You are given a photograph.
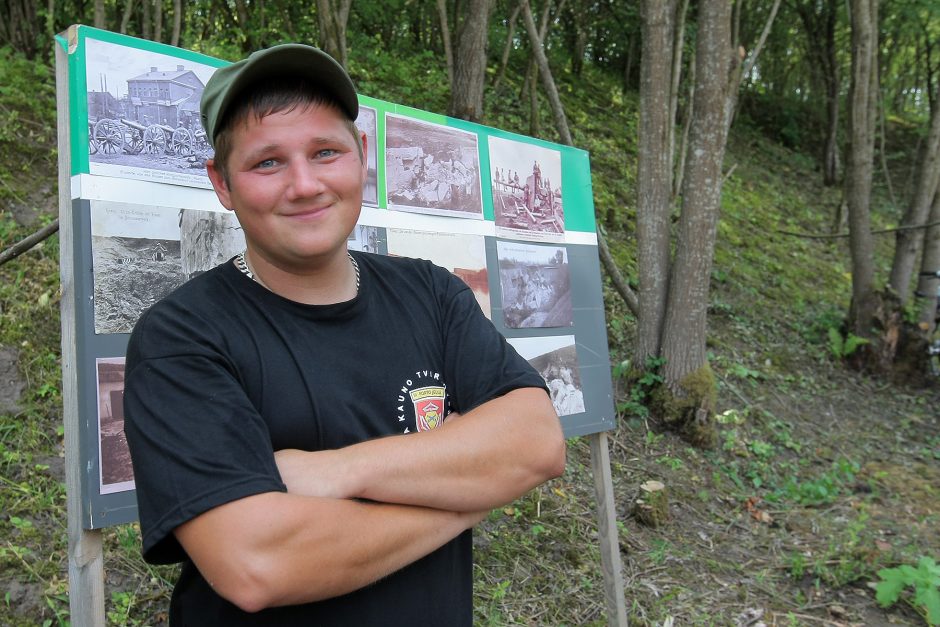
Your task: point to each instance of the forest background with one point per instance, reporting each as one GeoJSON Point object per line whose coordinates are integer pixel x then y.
{"type": "Point", "coordinates": [765, 180]}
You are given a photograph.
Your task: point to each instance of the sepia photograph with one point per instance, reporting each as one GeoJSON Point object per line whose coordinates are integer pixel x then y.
{"type": "Point", "coordinates": [535, 285]}
{"type": "Point", "coordinates": [136, 258]}
{"type": "Point", "coordinates": [464, 255]}
{"type": "Point", "coordinates": [208, 238]}
{"type": "Point", "coordinates": [366, 122]}
{"type": "Point", "coordinates": [367, 239]}
{"type": "Point", "coordinates": [143, 115]}
{"type": "Point", "coordinates": [114, 459]}
{"type": "Point", "coordinates": [556, 359]}
{"type": "Point", "coordinates": [527, 198]}
{"type": "Point", "coordinates": [431, 168]}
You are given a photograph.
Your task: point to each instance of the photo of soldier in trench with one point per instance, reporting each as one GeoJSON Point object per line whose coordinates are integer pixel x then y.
{"type": "Point", "coordinates": [527, 199]}
{"type": "Point", "coordinates": [432, 169]}
{"type": "Point", "coordinates": [136, 261]}
{"type": "Point", "coordinates": [535, 285]}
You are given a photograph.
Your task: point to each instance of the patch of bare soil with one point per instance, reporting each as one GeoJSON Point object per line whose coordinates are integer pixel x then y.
{"type": "Point", "coordinates": [11, 383]}
{"type": "Point", "coordinates": [817, 484]}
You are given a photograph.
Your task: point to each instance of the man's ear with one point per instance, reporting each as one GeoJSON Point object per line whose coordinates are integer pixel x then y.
{"type": "Point", "coordinates": [219, 184]}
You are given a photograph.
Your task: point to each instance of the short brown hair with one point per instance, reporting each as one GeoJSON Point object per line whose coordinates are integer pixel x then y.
{"type": "Point", "coordinates": [276, 95]}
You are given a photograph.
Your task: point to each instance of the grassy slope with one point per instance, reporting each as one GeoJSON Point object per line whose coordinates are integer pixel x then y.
{"type": "Point", "coordinates": [821, 476]}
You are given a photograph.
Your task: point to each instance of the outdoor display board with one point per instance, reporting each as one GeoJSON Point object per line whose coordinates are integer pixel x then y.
{"type": "Point", "coordinates": [511, 215]}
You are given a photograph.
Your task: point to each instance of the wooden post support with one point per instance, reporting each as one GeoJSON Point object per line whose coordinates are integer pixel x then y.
{"type": "Point", "coordinates": [86, 561]}
{"type": "Point", "coordinates": [607, 531]}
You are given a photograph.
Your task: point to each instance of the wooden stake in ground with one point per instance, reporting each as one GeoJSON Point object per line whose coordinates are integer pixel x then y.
{"type": "Point", "coordinates": [652, 508]}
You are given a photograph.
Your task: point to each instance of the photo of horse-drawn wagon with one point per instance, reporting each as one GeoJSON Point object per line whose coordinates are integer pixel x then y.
{"type": "Point", "coordinates": [113, 136]}
{"type": "Point", "coordinates": [143, 115]}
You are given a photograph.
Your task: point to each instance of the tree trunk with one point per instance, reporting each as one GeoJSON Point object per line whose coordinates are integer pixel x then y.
{"type": "Point", "coordinates": [908, 242]}
{"type": "Point", "coordinates": [690, 402]}
{"type": "Point", "coordinates": [654, 173]}
{"type": "Point", "coordinates": [859, 165]}
{"type": "Point", "coordinates": [126, 17]}
{"type": "Point", "coordinates": [445, 40]}
{"type": "Point", "coordinates": [504, 60]}
{"type": "Point", "coordinates": [819, 25]}
{"type": "Point", "coordinates": [100, 15]}
{"type": "Point", "coordinates": [548, 81]}
{"type": "Point", "coordinates": [686, 125]}
{"type": "Point", "coordinates": [466, 96]}
{"type": "Point", "coordinates": [628, 63]}
{"type": "Point", "coordinates": [332, 16]}
{"type": "Point", "coordinates": [742, 67]}
{"type": "Point", "coordinates": [145, 19]}
{"type": "Point", "coordinates": [158, 20]}
{"type": "Point", "coordinates": [930, 262]}
{"type": "Point", "coordinates": [833, 87]}
{"type": "Point", "coordinates": [533, 73]}
{"type": "Point", "coordinates": [533, 97]}
{"type": "Point", "coordinates": [177, 22]}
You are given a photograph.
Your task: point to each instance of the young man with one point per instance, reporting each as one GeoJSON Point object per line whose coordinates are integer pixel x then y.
{"type": "Point", "coordinates": [314, 432]}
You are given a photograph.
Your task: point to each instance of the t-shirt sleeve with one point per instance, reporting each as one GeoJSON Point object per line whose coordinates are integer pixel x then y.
{"type": "Point", "coordinates": [481, 365]}
{"type": "Point", "coordinates": [195, 439]}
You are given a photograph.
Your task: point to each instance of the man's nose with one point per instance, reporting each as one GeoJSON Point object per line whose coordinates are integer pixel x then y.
{"type": "Point", "coordinates": [305, 181]}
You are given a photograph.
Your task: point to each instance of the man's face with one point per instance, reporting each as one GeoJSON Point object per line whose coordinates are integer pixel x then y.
{"type": "Point", "coordinates": [295, 183]}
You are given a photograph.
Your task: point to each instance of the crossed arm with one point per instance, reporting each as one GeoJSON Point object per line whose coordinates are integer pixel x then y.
{"type": "Point", "coordinates": [316, 541]}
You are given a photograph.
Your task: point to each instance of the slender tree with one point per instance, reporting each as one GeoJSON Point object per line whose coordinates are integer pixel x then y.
{"type": "Point", "coordinates": [908, 242]}
{"type": "Point", "coordinates": [687, 401]}
{"type": "Point", "coordinates": [930, 262]}
{"type": "Point", "coordinates": [466, 96]}
{"type": "Point", "coordinates": [654, 172]}
{"type": "Point", "coordinates": [445, 39]}
{"type": "Point", "coordinates": [548, 81]}
{"type": "Point", "coordinates": [859, 164]}
{"type": "Point", "coordinates": [332, 16]}
{"type": "Point", "coordinates": [819, 21]}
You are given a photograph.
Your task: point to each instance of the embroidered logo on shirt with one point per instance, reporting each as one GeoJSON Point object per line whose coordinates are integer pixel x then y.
{"type": "Point", "coordinates": [428, 395]}
{"type": "Point", "coordinates": [429, 407]}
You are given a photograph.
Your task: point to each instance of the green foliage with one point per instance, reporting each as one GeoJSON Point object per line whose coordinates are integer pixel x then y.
{"type": "Point", "coordinates": [843, 347]}
{"type": "Point", "coordinates": [643, 383]}
{"type": "Point", "coordinates": [821, 490]}
{"type": "Point", "coordinates": [925, 580]}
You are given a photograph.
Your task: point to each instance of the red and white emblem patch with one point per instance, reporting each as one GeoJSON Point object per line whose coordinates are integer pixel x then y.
{"type": "Point", "coordinates": [429, 407]}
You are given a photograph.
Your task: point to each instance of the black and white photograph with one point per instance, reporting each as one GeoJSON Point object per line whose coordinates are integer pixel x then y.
{"type": "Point", "coordinates": [366, 122]}
{"type": "Point", "coordinates": [114, 459]}
{"type": "Point", "coordinates": [367, 239]}
{"type": "Point", "coordinates": [431, 168]}
{"type": "Point", "coordinates": [535, 285]}
{"type": "Point", "coordinates": [143, 115]}
{"type": "Point", "coordinates": [462, 254]}
{"type": "Point", "coordinates": [207, 239]}
{"type": "Point", "coordinates": [556, 359]}
{"type": "Point", "coordinates": [526, 182]}
{"type": "Point", "coordinates": [136, 257]}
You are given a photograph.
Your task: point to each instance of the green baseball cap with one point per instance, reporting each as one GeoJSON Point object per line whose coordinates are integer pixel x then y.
{"type": "Point", "coordinates": [289, 60]}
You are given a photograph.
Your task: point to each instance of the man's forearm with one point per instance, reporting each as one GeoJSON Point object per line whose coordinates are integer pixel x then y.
{"type": "Point", "coordinates": [486, 458]}
{"type": "Point", "coordinates": [281, 549]}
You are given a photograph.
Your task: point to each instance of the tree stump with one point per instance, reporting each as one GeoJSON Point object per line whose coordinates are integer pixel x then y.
{"type": "Point", "coordinates": [652, 508]}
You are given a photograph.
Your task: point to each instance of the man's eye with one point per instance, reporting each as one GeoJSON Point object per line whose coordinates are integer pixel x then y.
{"type": "Point", "coordinates": [326, 153]}
{"type": "Point", "coordinates": [267, 163]}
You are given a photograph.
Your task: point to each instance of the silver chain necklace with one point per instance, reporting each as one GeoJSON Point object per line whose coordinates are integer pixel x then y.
{"type": "Point", "coordinates": [242, 266]}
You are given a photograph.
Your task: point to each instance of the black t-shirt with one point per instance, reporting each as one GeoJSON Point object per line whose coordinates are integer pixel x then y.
{"type": "Point", "coordinates": [223, 372]}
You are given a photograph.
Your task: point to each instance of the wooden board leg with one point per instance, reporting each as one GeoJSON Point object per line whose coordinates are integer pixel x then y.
{"type": "Point", "coordinates": [607, 531]}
